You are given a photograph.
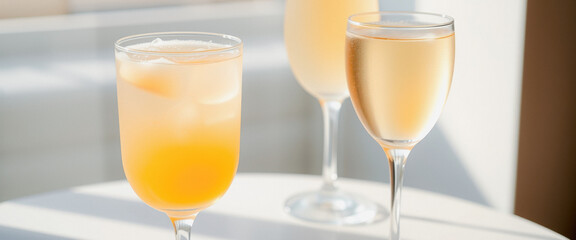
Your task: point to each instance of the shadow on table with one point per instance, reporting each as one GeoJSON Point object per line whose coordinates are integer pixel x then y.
{"type": "Point", "coordinates": [490, 229]}
{"type": "Point", "coordinates": [209, 223]}
{"type": "Point", "coordinates": [241, 228]}
{"type": "Point", "coordinates": [20, 234]}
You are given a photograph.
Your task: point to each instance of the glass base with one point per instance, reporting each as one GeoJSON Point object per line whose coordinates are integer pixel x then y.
{"type": "Point", "coordinates": [334, 207]}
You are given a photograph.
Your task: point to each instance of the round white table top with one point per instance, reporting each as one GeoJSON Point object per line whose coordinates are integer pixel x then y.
{"type": "Point", "coordinates": [252, 210]}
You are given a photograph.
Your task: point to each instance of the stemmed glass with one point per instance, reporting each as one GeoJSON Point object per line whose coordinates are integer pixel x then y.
{"type": "Point", "coordinates": [399, 68]}
{"type": "Point", "coordinates": [179, 100]}
{"type": "Point", "coordinates": [314, 33]}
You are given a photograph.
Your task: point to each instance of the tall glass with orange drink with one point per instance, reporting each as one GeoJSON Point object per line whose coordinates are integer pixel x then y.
{"type": "Point", "coordinates": [179, 98]}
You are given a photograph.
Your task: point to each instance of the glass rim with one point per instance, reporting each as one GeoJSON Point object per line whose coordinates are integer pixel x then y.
{"type": "Point", "coordinates": [238, 43]}
{"type": "Point", "coordinates": [450, 20]}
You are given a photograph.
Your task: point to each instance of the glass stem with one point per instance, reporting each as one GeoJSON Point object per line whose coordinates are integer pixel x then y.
{"type": "Point", "coordinates": [396, 161]}
{"type": "Point", "coordinates": [183, 226]}
{"type": "Point", "coordinates": [330, 112]}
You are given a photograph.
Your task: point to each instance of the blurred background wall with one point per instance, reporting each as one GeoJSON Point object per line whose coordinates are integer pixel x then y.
{"type": "Point", "coordinates": [58, 116]}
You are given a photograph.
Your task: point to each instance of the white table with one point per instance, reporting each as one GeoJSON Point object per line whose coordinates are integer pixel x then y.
{"type": "Point", "coordinates": [252, 210]}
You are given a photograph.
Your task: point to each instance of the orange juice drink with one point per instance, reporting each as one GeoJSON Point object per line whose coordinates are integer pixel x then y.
{"type": "Point", "coordinates": [179, 119]}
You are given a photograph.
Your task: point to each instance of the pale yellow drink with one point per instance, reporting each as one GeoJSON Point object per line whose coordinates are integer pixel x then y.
{"type": "Point", "coordinates": [179, 122]}
{"type": "Point", "coordinates": [398, 86]}
{"type": "Point", "coordinates": [314, 32]}
{"type": "Point", "coordinates": [399, 69]}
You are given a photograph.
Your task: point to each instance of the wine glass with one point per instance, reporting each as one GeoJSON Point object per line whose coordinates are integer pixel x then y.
{"type": "Point", "coordinates": [179, 97]}
{"type": "Point", "coordinates": [314, 33]}
{"type": "Point", "coordinates": [399, 67]}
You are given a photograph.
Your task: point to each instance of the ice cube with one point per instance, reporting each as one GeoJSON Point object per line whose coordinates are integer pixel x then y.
{"type": "Point", "coordinates": [161, 79]}
{"type": "Point", "coordinates": [186, 120]}
{"type": "Point", "coordinates": [215, 114]}
{"type": "Point", "coordinates": [217, 83]}
{"type": "Point", "coordinates": [156, 45]}
{"type": "Point", "coordinates": [219, 93]}
{"type": "Point", "coordinates": [161, 60]}
{"type": "Point", "coordinates": [156, 42]}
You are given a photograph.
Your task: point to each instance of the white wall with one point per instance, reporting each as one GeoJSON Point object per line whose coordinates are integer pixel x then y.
{"type": "Point", "coordinates": [482, 117]}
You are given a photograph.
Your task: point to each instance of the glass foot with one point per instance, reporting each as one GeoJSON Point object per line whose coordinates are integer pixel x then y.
{"type": "Point", "coordinates": [334, 207]}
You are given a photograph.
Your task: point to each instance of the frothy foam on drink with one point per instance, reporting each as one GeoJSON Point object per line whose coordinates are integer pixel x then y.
{"type": "Point", "coordinates": [176, 46]}
{"type": "Point", "coordinates": [180, 51]}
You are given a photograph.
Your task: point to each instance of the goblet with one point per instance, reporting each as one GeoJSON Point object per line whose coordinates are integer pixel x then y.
{"type": "Point", "coordinates": [399, 68]}
{"type": "Point", "coordinates": [314, 33]}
